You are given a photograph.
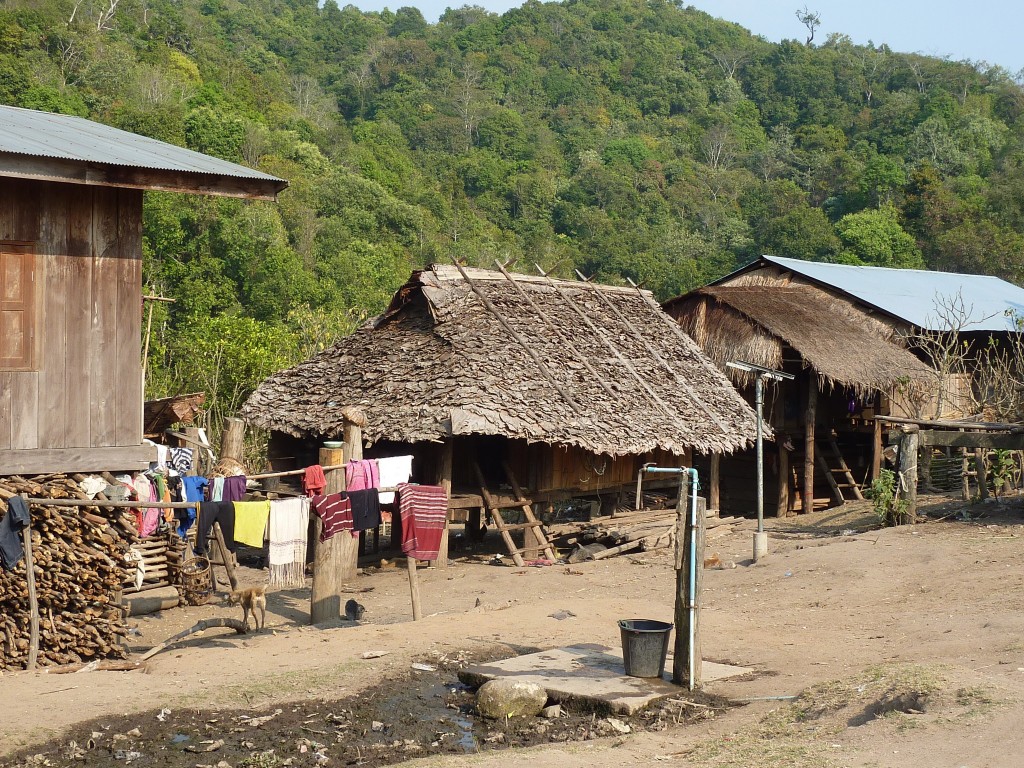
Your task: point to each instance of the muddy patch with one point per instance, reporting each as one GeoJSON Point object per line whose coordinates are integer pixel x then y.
{"type": "Point", "coordinates": [425, 712]}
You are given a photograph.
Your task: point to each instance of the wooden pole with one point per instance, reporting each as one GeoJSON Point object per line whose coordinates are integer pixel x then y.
{"type": "Point", "coordinates": [444, 479]}
{"type": "Point", "coordinates": [335, 560]}
{"type": "Point", "coordinates": [907, 487]}
{"type": "Point", "coordinates": [232, 439]}
{"type": "Point", "coordinates": [810, 414]}
{"type": "Point", "coordinates": [414, 589]}
{"type": "Point", "coordinates": [782, 507]}
{"type": "Point", "coordinates": [689, 555]}
{"type": "Point", "coordinates": [981, 470]}
{"type": "Point", "coordinates": [715, 490]}
{"type": "Point", "coordinates": [33, 602]}
{"type": "Point", "coordinates": [876, 451]}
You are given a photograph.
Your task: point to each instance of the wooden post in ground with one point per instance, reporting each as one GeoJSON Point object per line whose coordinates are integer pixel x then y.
{"type": "Point", "coordinates": [686, 661]}
{"type": "Point", "coordinates": [336, 560]}
{"type": "Point", "coordinates": [782, 508]}
{"type": "Point", "coordinates": [907, 480]}
{"type": "Point", "coordinates": [876, 451]}
{"type": "Point", "coordinates": [981, 473]}
{"type": "Point", "coordinates": [444, 479]}
{"type": "Point", "coordinates": [33, 602]}
{"type": "Point", "coordinates": [810, 414]}
{"type": "Point", "coordinates": [715, 484]}
{"type": "Point", "coordinates": [232, 439]}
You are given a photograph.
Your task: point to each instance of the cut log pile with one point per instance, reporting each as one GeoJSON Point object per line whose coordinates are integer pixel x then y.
{"type": "Point", "coordinates": [79, 566]}
{"type": "Point", "coordinates": [633, 532]}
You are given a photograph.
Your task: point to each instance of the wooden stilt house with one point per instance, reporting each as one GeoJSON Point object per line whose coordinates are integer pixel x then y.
{"type": "Point", "coordinates": [564, 386]}
{"type": "Point", "coordinates": [849, 366]}
{"type": "Point", "coordinates": [71, 284]}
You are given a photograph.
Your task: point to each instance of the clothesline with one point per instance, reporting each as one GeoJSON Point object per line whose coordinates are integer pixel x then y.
{"type": "Point", "coordinates": [292, 472]}
{"type": "Point", "coordinates": [129, 504]}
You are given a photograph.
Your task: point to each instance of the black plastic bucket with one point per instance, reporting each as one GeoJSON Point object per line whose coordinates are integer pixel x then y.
{"type": "Point", "coordinates": [644, 646]}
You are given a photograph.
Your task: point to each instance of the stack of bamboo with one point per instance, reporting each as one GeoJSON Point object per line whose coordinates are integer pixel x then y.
{"type": "Point", "coordinates": [79, 567]}
{"type": "Point", "coordinates": [162, 556]}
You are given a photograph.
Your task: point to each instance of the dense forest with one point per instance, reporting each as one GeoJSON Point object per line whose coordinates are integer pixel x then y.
{"type": "Point", "coordinates": [623, 138]}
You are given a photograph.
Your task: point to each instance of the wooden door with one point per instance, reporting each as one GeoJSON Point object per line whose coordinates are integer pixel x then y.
{"type": "Point", "coordinates": [17, 307]}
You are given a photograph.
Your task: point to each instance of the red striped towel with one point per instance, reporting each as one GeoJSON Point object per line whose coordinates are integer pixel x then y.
{"type": "Point", "coordinates": [424, 509]}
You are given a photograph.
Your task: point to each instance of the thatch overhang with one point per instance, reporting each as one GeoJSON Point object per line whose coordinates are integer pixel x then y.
{"type": "Point", "coordinates": [842, 344]}
{"type": "Point", "coordinates": [481, 352]}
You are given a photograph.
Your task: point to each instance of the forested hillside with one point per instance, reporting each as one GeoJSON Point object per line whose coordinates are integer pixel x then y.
{"type": "Point", "coordinates": [620, 137]}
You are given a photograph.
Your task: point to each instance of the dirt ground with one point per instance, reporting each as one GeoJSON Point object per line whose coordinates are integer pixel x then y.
{"type": "Point", "coordinates": [870, 647]}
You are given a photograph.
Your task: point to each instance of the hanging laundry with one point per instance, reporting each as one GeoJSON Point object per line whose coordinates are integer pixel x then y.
{"type": "Point", "coordinates": [161, 455]}
{"type": "Point", "coordinates": [11, 525]}
{"type": "Point", "coordinates": [424, 510]}
{"type": "Point", "coordinates": [183, 519]}
{"type": "Point", "coordinates": [146, 491]}
{"type": "Point", "coordinates": [210, 512]}
{"type": "Point", "coordinates": [234, 488]}
{"type": "Point", "coordinates": [361, 474]}
{"type": "Point", "coordinates": [335, 510]}
{"type": "Point", "coordinates": [182, 460]}
{"type": "Point", "coordinates": [365, 509]}
{"type": "Point", "coordinates": [392, 472]}
{"type": "Point", "coordinates": [194, 488]}
{"type": "Point", "coordinates": [289, 521]}
{"type": "Point", "coordinates": [251, 522]}
{"type": "Point", "coordinates": [217, 489]}
{"type": "Point", "coordinates": [313, 480]}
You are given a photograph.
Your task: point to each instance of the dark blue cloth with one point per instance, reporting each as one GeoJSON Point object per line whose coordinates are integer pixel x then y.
{"type": "Point", "coordinates": [11, 525]}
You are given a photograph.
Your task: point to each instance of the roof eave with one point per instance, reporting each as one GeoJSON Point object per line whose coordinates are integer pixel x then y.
{"type": "Point", "coordinates": [129, 177]}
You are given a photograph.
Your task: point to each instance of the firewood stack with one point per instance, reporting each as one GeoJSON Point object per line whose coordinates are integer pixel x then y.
{"type": "Point", "coordinates": [79, 565]}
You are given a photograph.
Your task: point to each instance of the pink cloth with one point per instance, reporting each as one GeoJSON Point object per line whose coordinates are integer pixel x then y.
{"type": "Point", "coordinates": [424, 510]}
{"type": "Point", "coordinates": [146, 491]}
{"type": "Point", "coordinates": [361, 475]}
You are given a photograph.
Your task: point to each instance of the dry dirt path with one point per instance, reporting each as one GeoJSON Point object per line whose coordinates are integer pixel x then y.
{"type": "Point", "coordinates": [925, 622]}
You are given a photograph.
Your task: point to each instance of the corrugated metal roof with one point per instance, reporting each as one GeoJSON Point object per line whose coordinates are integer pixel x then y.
{"type": "Point", "coordinates": [43, 134]}
{"type": "Point", "coordinates": [917, 295]}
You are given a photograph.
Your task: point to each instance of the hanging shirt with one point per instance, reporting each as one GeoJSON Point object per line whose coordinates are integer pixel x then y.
{"type": "Point", "coordinates": [234, 488]}
{"type": "Point", "coordinates": [424, 510]}
{"type": "Point", "coordinates": [194, 487]}
{"type": "Point", "coordinates": [365, 509]}
{"type": "Point", "coordinates": [335, 510]}
{"type": "Point", "coordinates": [17, 518]}
{"type": "Point", "coordinates": [361, 474]}
{"type": "Point", "coordinates": [313, 480]}
{"type": "Point", "coordinates": [251, 522]}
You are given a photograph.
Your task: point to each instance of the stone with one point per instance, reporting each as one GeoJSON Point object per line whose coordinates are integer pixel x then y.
{"type": "Point", "coordinates": [553, 712]}
{"type": "Point", "coordinates": [510, 698]}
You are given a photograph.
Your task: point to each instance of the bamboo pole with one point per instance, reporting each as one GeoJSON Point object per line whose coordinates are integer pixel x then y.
{"type": "Point", "coordinates": [444, 479]}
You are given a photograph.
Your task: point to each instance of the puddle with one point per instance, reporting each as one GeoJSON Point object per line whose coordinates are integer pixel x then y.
{"type": "Point", "coordinates": [424, 713]}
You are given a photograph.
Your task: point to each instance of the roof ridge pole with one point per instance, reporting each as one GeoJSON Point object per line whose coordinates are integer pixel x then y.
{"type": "Point", "coordinates": [657, 356]}
{"type": "Point", "coordinates": [515, 335]}
{"type": "Point", "coordinates": [611, 347]}
{"type": "Point", "coordinates": [562, 338]}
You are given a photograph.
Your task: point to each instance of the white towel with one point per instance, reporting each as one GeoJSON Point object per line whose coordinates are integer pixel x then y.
{"type": "Point", "coordinates": [289, 522]}
{"type": "Point", "coordinates": [393, 471]}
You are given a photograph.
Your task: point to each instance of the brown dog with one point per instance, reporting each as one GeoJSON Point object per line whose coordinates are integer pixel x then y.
{"type": "Point", "coordinates": [251, 599]}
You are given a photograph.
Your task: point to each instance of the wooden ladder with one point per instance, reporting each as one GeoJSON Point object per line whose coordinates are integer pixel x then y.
{"type": "Point", "coordinates": [531, 528]}
{"type": "Point", "coordinates": [843, 470]}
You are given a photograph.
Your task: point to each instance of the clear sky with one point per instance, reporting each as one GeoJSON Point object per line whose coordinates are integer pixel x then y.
{"type": "Point", "coordinates": [989, 30]}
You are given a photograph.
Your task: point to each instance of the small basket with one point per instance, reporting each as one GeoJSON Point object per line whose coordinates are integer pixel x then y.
{"type": "Point", "coordinates": [196, 588]}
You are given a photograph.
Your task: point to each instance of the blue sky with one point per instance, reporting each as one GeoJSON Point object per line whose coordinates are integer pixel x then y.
{"type": "Point", "coordinates": [988, 31]}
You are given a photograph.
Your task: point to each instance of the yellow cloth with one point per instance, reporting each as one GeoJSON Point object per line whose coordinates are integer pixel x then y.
{"type": "Point", "coordinates": [251, 521]}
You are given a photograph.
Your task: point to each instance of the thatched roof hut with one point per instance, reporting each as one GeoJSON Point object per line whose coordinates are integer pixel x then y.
{"type": "Point", "coordinates": [845, 346]}
{"type": "Point", "coordinates": [478, 352]}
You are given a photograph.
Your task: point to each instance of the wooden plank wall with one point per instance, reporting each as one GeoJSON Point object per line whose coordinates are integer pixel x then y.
{"type": "Point", "coordinates": [86, 391]}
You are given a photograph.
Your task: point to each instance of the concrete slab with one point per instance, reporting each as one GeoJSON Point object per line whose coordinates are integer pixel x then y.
{"type": "Point", "coordinates": [589, 673]}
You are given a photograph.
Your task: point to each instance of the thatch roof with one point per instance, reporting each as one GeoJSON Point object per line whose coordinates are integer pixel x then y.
{"type": "Point", "coordinates": [841, 343]}
{"type": "Point", "coordinates": [560, 362]}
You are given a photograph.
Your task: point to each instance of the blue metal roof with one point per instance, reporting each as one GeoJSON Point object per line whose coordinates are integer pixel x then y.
{"type": "Point", "coordinates": [917, 296]}
{"type": "Point", "coordinates": [43, 134]}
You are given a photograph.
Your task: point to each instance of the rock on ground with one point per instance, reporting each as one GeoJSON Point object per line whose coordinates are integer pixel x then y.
{"type": "Point", "coordinates": [510, 698]}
